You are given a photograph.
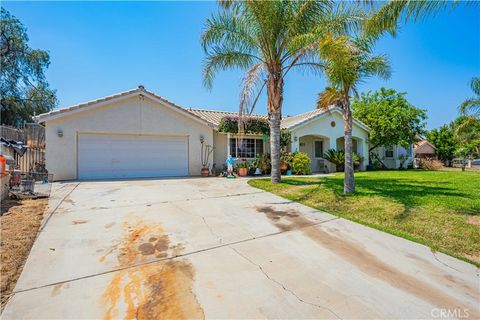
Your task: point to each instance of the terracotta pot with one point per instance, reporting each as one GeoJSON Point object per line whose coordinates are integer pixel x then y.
{"type": "Point", "coordinates": [205, 172]}
{"type": "Point", "coordinates": [242, 172]}
{"type": "Point", "coordinates": [283, 165]}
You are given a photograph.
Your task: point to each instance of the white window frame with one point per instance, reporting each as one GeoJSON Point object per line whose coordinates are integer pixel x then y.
{"type": "Point", "coordinates": [255, 138]}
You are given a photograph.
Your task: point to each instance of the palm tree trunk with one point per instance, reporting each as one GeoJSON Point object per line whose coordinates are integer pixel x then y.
{"type": "Point", "coordinates": [349, 180]}
{"type": "Point", "coordinates": [274, 119]}
{"type": "Point", "coordinates": [275, 101]}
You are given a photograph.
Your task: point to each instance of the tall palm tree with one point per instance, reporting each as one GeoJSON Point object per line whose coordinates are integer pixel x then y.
{"type": "Point", "coordinates": [268, 39]}
{"type": "Point", "coordinates": [347, 63]}
{"type": "Point", "coordinates": [472, 105]}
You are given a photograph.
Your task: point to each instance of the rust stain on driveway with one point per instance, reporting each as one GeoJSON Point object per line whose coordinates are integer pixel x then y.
{"type": "Point", "coordinates": [362, 259]}
{"type": "Point", "coordinates": [161, 290]}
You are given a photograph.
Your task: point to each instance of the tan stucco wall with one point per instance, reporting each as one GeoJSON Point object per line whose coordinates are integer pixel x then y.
{"type": "Point", "coordinates": [135, 115]}
{"type": "Point", "coordinates": [220, 152]}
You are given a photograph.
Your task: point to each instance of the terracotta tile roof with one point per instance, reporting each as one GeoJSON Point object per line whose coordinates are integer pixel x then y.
{"type": "Point", "coordinates": [214, 116]}
{"type": "Point", "coordinates": [420, 144]}
{"type": "Point", "coordinates": [291, 121]}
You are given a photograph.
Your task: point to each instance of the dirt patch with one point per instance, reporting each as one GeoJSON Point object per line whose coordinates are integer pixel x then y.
{"type": "Point", "coordinates": [160, 290]}
{"type": "Point", "coordinates": [363, 260]}
{"type": "Point", "coordinates": [19, 226]}
{"type": "Point", "coordinates": [475, 220]}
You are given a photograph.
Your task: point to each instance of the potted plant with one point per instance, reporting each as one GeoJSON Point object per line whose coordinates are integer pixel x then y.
{"type": "Point", "coordinates": [286, 159]}
{"type": "Point", "coordinates": [264, 162]}
{"type": "Point", "coordinates": [242, 168]}
{"type": "Point", "coordinates": [357, 161]}
{"type": "Point", "coordinates": [205, 153]}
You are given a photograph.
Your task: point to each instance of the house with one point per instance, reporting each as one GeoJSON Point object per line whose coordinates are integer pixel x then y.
{"type": "Point", "coordinates": [393, 157]}
{"type": "Point", "coordinates": [138, 133]}
{"type": "Point", "coordinates": [424, 149]}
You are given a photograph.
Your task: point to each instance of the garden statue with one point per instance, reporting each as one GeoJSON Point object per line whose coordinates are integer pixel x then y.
{"type": "Point", "coordinates": [230, 166]}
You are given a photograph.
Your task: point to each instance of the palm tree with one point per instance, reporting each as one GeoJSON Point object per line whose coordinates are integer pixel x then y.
{"type": "Point", "coordinates": [347, 63]}
{"type": "Point", "coordinates": [268, 39]}
{"type": "Point", "coordinates": [472, 105]}
{"type": "Point", "coordinates": [388, 14]}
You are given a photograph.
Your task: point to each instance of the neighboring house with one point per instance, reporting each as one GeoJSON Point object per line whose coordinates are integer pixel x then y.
{"type": "Point", "coordinates": [393, 157]}
{"type": "Point", "coordinates": [137, 133]}
{"type": "Point", "coordinates": [424, 149]}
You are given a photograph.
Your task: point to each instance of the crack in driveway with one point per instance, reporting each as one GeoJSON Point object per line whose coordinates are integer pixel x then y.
{"type": "Point", "coordinates": [283, 286]}
{"type": "Point", "coordinates": [134, 265]}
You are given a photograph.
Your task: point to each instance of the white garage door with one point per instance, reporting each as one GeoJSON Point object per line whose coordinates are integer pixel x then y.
{"type": "Point", "coordinates": [104, 156]}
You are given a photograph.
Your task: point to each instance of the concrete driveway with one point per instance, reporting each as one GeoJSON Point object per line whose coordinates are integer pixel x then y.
{"type": "Point", "coordinates": [218, 248]}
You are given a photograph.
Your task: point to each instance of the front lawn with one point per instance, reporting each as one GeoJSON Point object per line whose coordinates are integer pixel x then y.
{"type": "Point", "coordinates": [437, 208]}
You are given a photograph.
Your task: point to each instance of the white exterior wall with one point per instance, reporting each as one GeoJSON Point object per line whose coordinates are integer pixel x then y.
{"type": "Point", "coordinates": [321, 127]}
{"type": "Point", "coordinates": [394, 162]}
{"type": "Point", "coordinates": [136, 115]}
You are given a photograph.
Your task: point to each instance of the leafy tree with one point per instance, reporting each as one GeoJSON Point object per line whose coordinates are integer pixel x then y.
{"type": "Point", "coordinates": [467, 133]}
{"type": "Point", "coordinates": [24, 90]}
{"type": "Point", "coordinates": [444, 141]}
{"type": "Point", "coordinates": [391, 118]}
{"type": "Point", "coordinates": [348, 62]}
{"type": "Point", "coordinates": [268, 39]}
{"type": "Point", "coordinates": [472, 105]}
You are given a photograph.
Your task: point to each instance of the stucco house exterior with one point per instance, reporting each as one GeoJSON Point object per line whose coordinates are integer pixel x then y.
{"type": "Point", "coordinates": [138, 133]}
{"type": "Point", "coordinates": [393, 157]}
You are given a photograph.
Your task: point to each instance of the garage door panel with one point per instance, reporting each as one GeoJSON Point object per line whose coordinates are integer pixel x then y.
{"type": "Point", "coordinates": [102, 156]}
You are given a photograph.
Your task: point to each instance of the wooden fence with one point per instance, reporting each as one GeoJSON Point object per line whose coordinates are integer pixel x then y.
{"type": "Point", "coordinates": [33, 136]}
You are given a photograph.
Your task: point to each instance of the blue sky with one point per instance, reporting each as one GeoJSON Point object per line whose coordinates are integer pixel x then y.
{"type": "Point", "coordinates": [100, 48]}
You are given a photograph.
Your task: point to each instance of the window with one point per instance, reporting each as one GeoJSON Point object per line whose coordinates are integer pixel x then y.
{"type": "Point", "coordinates": [388, 152]}
{"type": "Point", "coordinates": [318, 149]}
{"type": "Point", "coordinates": [245, 148]}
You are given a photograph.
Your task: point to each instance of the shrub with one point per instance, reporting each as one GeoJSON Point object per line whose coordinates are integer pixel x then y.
{"type": "Point", "coordinates": [430, 164]}
{"type": "Point", "coordinates": [285, 138]}
{"type": "Point", "coordinates": [301, 163]}
{"type": "Point", "coordinates": [336, 157]}
{"type": "Point", "coordinates": [287, 157]}
{"type": "Point", "coordinates": [242, 164]}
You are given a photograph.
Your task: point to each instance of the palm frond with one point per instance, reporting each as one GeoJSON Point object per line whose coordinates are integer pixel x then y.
{"type": "Point", "coordinates": [221, 58]}
{"type": "Point", "coordinates": [376, 66]}
{"type": "Point", "coordinates": [329, 97]}
{"type": "Point", "coordinates": [475, 85]}
{"type": "Point", "coordinates": [252, 81]}
{"type": "Point", "coordinates": [228, 30]}
{"type": "Point", "coordinates": [387, 18]}
{"type": "Point", "coordinates": [470, 106]}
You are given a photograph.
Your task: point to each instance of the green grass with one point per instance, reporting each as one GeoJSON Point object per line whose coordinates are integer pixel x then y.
{"type": "Point", "coordinates": [435, 208]}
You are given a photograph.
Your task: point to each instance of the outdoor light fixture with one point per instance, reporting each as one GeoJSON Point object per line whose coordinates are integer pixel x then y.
{"type": "Point", "coordinates": [295, 138]}
{"type": "Point", "coordinates": [60, 133]}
